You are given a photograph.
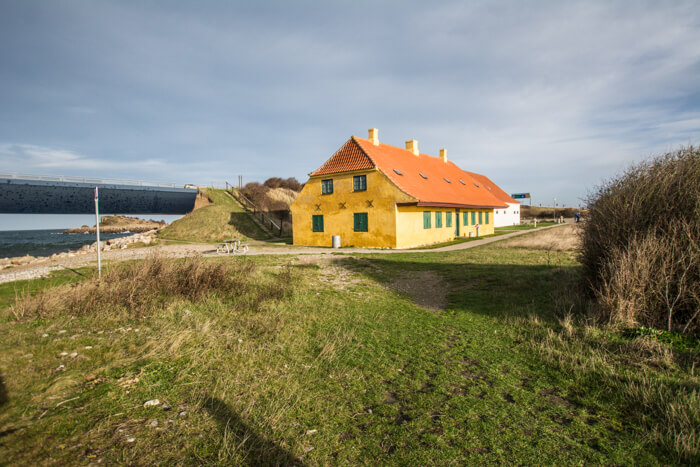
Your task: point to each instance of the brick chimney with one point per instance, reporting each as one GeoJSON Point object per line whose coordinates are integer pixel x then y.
{"type": "Point", "coordinates": [443, 155]}
{"type": "Point", "coordinates": [412, 145]}
{"type": "Point", "coordinates": [374, 136]}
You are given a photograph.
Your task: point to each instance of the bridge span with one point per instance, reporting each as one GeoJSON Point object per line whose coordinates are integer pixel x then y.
{"type": "Point", "coordinates": [26, 194]}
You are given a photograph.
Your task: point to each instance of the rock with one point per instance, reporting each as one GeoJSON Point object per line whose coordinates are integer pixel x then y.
{"type": "Point", "coordinates": [88, 347]}
{"type": "Point", "coordinates": [154, 423]}
{"type": "Point", "coordinates": [151, 403]}
{"type": "Point", "coordinates": [130, 440]}
{"type": "Point", "coordinates": [311, 432]}
{"type": "Point", "coordinates": [63, 354]}
{"type": "Point", "coordinates": [44, 335]}
{"type": "Point", "coordinates": [62, 331]}
{"type": "Point", "coordinates": [182, 414]}
{"type": "Point", "coordinates": [165, 406]}
{"type": "Point", "coordinates": [73, 355]}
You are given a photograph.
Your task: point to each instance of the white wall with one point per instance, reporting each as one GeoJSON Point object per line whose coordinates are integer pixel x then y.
{"type": "Point", "coordinates": [510, 216]}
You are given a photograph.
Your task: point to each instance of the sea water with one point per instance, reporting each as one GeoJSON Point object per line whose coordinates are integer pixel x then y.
{"type": "Point", "coordinates": [46, 242]}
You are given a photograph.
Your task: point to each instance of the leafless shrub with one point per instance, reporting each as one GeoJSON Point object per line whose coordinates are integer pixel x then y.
{"type": "Point", "coordinates": [640, 244]}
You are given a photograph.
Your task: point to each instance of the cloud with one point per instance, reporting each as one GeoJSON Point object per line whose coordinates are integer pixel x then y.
{"type": "Point", "coordinates": [28, 158]}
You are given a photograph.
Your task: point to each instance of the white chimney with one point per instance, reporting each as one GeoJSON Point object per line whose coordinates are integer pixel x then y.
{"type": "Point", "coordinates": [412, 145]}
{"type": "Point", "coordinates": [443, 155]}
{"type": "Point", "coordinates": [374, 136]}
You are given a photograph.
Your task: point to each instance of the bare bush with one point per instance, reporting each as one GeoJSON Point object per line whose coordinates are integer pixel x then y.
{"type": "Point", "coordinates": [640, 243]}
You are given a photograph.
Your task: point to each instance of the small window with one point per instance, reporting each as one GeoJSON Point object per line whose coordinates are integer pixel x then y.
{"type": "Point", "coordinates": [447, 180]}
{"type": "Point", "coordinates": [397, 172]}
{"type": "Point", "coordinates": [424, 176]}
{"type": "Point", "coordinates": [360, 219]}
{"type": "Point", "coordinates": [438, 220]}
{"type": "Point", "coordinates": [473, 218]}
{"type": "Point", "coordinates": [481, 219]}
{"type": "Point", "coordinates": [466, 218]}
{"type": "Point", "coordinates": [426, 219]}
{"type": "Point", "coordinates": [317, 222]}
{"type": "Point", "coordinates": [359, 183]}
{"type": "Point", "coordinates": [462, 181]}
{"type": "Point", "coordinates": [476, 185]}
{"type": "Point", "coordinates": [326, 187]}
{"type": "Point", "coordinates": [448, 219]}
{"type": "Point", "coordinates": [487, 218]}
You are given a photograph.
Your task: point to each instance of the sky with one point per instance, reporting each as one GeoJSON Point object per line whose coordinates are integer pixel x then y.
{"type": "Point", "coordinates": [546, 97]}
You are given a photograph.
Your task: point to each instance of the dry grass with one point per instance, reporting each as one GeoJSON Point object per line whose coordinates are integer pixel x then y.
{"type": "Point", "coordinates": [564, 238]}
{"type": "Point", "coordinates": [138, 289]}
{"type": "Point", "coordinates": [281, 196]}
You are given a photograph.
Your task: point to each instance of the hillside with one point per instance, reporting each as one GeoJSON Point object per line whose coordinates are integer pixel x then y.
{"type": "Point", "coordinates": [219, 221]}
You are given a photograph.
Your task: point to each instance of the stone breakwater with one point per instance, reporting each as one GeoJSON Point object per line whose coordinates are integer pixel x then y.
{"type": "Point", "coordinates": [145, 238]}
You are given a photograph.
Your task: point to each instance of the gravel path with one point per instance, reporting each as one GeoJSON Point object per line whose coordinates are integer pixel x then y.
{"type": "Point", "coordinates": [43, 268]}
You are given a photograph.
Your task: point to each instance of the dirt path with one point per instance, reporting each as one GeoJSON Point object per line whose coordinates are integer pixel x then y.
{"type": "Point", "coordinates": [43, 268]}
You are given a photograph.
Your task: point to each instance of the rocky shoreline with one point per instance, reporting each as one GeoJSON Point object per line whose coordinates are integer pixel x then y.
{"type": "Point", "coordinates": [144, 238]}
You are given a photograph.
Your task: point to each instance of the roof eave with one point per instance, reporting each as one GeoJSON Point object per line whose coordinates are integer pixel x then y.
{"type": "Point", "coordinates": [437, 204]}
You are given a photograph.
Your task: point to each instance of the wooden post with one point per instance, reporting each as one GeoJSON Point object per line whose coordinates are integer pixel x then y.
{"type": "Point", "coordinates": [97, 230]}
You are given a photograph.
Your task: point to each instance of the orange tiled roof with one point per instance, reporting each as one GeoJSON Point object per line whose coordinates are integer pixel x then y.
{"type": "Point", "coordinates": [422, 177]}
{"type": "Point", "coordinates": [348, 157]}
{"type": "Point", "coordinates": [495, 189]}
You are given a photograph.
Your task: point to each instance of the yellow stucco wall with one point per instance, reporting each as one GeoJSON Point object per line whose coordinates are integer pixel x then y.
{"type": "Point", "coordinates": [484, 228]}
{"type": "Point", "coordinates": [411, 231]}
{"type": "Point", "coordinates": [337, 220]}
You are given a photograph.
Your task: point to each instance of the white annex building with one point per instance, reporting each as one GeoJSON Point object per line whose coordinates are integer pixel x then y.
{"type": "Point", "coordinates": [501, 217]}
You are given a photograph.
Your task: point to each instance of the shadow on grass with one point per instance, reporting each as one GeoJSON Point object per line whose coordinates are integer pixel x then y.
{"type": "Point", "coordinates": [243, 222]}
{"type": "Point", "coordinates": [502, 290]}
{"type": "Point", "coordinates": [255, 449]}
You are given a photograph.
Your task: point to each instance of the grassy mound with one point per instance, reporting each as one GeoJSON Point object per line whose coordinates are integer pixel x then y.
{"type": "Point", "coordinates": [220, 221]}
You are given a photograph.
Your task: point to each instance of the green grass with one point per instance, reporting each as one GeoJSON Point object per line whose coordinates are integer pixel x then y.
{"type": "Point", "coordinates": [347, 370]}
{"type": "Point", "coordinates": [457, 241]}
{"type": "Point", "coordinates": [214, 223]}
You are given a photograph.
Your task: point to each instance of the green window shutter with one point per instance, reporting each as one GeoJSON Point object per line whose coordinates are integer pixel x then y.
{"type": "Point", "coordinates": [481, 217]}
{"type": "Point", "coordinates": [317, 222]}
{"type": "Point", "coordinates": [438, 220]}
{"type": "Point", "coordinates": [465, 215]}
{"type": "Point", "coordinates": [448, 219]}
{"type": "Point", "coordinates": [361, 222]}
{"type": "Point", "coordinates": [473, 218]}
{"type": "Point", "coordinates": [359, 182]}
{"type": "Point", "coordinates": [487, 217]}
{"type": "Point", "coordinates": [426, 219]}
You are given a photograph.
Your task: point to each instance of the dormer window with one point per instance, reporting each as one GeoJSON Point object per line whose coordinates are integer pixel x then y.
{"type": "Point", "coordinates": [424, 176]}
{"type": "Point", "coordinates": [462, 181]}
{"type": "Point", "coordinates": [447, 180]}
{"type": "Point", "coordinates": [476, 185]}
{"type": "Point", "coordinates": [397, 172]}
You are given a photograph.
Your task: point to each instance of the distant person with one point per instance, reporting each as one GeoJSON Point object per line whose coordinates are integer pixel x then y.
{"type": "Point", "coordinates": [577, 217]}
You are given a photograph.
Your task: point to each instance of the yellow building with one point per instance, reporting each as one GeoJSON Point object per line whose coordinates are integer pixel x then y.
{"type": "Point", "coordinates": [376, 195]}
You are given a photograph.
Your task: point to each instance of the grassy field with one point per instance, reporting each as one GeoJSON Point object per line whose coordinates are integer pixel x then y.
{"type": "Point", "coordinates": [214, 223]}
{"type": "Point", "coordinates": [465, 357]}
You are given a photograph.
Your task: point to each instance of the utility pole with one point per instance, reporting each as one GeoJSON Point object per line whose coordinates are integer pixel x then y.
{"type": "Point", "coordinates": [555, 209]}
{"type": "Point", "coordinates": [97, 229]}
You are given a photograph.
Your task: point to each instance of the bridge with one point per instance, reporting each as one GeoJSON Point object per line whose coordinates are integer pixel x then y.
{"type": "Point", "coordinates": [29, 194]}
